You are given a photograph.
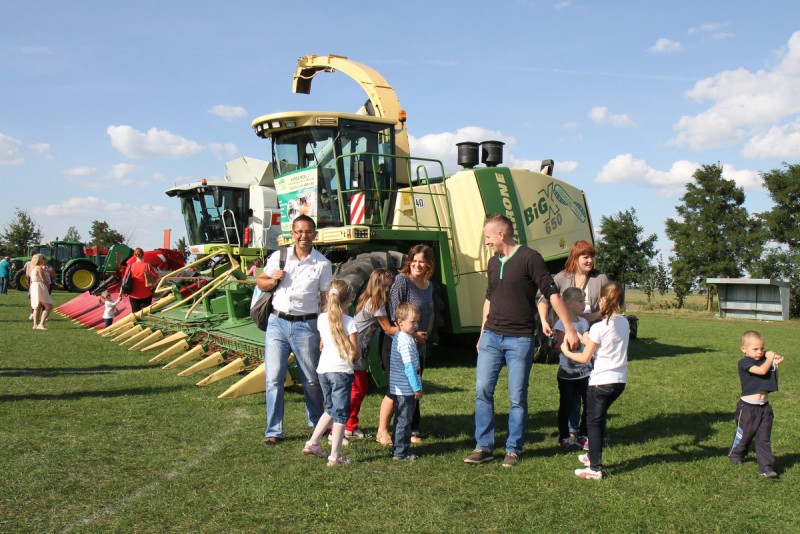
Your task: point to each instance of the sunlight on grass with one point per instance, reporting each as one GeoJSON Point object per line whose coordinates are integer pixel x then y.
{"type": "Point", "coordinates": [95, 439]}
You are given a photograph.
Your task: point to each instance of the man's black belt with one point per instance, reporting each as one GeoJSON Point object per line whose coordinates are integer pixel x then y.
{"type": "Point", "coordinates": [294, 318]}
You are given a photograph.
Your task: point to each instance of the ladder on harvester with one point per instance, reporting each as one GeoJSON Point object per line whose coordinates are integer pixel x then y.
{"type": "Point", "coordinates": [227, 229]}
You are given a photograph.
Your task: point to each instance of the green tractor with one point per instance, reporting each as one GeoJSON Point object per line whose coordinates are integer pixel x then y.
{"type": "Point", "coordinates": [78, 268]}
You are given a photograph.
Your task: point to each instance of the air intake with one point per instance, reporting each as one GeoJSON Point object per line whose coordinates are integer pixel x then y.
{"type": "Point", "coordinates": [492, 153]}
{"type": "Point", "coordinates": [468, 154]}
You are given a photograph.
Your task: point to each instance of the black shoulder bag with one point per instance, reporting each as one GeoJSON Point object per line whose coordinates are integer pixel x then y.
{"type": "Point", "coordinates": [262, 308]}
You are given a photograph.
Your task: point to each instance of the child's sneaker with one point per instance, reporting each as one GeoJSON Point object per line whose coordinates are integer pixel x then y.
{"type": "Point", "coordinates": [314, 450]}
{"type": "Point", "coordinates": [584, 459]}
{"type": "Point", "coordinates": [406, 458]}
{"type": "Point", "coordinates": [570, 444]}
{"type": "Point", "coordinates": [341, 460]}
{"type": "Point", "coordinates": [770, 474]}
{"type": "Point", "coordinates": [345, 441]}
{"type": "Point", "coordinates": [583, 441]}
{"type": "Point", "coordinates": [355, 433]}
{"type": "Point", "coordinates": [589, 473]}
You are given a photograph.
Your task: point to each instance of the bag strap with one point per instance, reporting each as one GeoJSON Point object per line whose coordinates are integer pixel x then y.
{"type": "Point", "coordinates": [282, 258]}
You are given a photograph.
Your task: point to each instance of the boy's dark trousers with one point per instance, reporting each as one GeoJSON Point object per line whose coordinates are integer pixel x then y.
{"type": "Point", "coordinates": [754, 422]}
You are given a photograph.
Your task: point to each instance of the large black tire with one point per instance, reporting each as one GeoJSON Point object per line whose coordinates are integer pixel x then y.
{"type": "Point", "coordinates": [357, 270]}
{"type": "Point", "coordinates": [81, 276]}
{"type": "Point", "coordinates": [20, 281]}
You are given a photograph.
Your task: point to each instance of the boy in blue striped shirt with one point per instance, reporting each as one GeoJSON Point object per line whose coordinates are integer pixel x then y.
{"type": "Point", "coordinates": [405, 386]}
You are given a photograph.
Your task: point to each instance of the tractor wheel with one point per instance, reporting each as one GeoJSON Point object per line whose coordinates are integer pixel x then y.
{"type": "Point", "coordinates": [21, 281]}
{"type": "Point", "coordinates": [357, 270]}
{"type": "Point", "coordinates": [82, 276]}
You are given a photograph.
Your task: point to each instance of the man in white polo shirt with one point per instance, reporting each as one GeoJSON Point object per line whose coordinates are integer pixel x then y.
{"type": "Point", "coordinates": [293, 323]}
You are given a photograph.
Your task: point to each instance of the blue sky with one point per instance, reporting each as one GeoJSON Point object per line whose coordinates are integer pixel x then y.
{"type": "Point", "coordinates": [105, 105]}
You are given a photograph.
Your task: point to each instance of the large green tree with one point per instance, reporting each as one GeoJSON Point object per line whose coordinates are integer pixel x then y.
{"type": "Point", "coordinates": [72, 234]}
{"type": "Point", "coordinates": [19, 233]}
{"type": "Point", "coordinates": [102, 235]}
{"type": "Point", "coordinates": [183, 247]}
{"type": "Point", "coordinates": [624, 253]}
{"type": "Point", "coordinates": [713, 236]}
{"type": "Point", "coordinates": [782, 259]}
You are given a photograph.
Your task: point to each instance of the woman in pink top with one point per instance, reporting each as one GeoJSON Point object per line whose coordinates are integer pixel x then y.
{"type": "Point", "coordinates": [140, 295]}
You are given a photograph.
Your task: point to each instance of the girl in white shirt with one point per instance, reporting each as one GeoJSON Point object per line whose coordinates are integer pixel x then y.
{"type": "Point", "coordinates": [339, 346]}
{"type": "Point", "coordinates": [606, 343]}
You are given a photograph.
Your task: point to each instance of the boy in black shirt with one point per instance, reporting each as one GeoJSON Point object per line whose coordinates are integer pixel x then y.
{"type": "Point", "coordinates": [758, 373]}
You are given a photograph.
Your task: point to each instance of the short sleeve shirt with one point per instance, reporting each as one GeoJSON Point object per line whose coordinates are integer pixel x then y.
{"type": "Point", "coordinates": [752, 384]}
{"type": "Point", "coordinates": [298, 292]}
{"type": "Point", "coordinates": [329, 359]}
{"type": "Point", "coordinates": [611, 357]}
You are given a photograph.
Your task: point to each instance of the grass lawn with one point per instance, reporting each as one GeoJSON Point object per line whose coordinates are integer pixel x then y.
{"type": "Point", "coordinates": [96, 440]}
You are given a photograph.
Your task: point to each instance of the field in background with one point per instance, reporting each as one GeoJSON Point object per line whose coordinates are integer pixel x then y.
{"type": "Point", "coordinates": [96, 440]}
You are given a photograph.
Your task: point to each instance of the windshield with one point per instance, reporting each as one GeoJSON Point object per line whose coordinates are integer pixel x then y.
{"type": "Point", "coordinates": [303, 148]}
{"type": "Point", "coordinates": [206, 222]}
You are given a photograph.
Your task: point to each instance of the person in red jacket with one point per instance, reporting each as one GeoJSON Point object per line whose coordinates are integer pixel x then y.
{"type": "Point", "coordinates": [141, 294]}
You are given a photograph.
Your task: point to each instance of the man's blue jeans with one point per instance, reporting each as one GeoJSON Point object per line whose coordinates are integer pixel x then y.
{"type": "Point", "coordinates": [302, 338]}
{"type": "Point", "coordinates": [3, 285]}
{"type": "Point", "coordinates": [495, 351]}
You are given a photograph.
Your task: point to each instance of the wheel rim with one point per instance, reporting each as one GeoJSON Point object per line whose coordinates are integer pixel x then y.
{"type": "Point", "coordinates": [83, 279]}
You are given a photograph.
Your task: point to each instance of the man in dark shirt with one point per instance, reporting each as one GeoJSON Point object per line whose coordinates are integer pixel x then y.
{"type": "Point", "coordinates": [515, 273]}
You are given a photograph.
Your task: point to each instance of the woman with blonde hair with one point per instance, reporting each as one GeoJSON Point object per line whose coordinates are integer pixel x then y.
{"type": "Point", "coordinates": [41, 301]}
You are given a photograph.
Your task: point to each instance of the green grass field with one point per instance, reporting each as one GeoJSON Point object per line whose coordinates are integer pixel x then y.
{"type": "Point", "coordinates": [96, 440]}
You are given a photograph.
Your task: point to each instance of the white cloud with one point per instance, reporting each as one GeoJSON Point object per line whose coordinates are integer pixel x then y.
{"type": "Point", "coordinates": [665, 46]}
{"type": "Point", "coordinates": [570, 126]}
{"type": "Point", "coordinates": [120, 171]}
{"type": "Point", "coordinates": [777, 142]}
{"type": "Point", "coordinates": [228, 112]}
{"type": "Point", "coordinates": [561, 4]}
{"type": "Point", "coordinates": [627, 169]}
{"type": "Point", "coordinates": [79, 171]}
{"type": "Point", "coordinates": [9, 151]}
{"type": "Point", "coordinates": [745, 105]}
{"type": "Point", "coordinates": [713, 29]}
{"type": "Point", "coordinates": [43, 149]}
{"type": "Point", "coordinates": [155, 143]}
{"type": "Point", "coordinates": [223, 149]}
{"type": "Point", "coordinates": [600, 115]}
{"type": "Point", "coordinates": [116, 213]}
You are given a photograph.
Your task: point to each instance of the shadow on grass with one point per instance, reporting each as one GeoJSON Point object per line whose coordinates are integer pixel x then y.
{"type": "Point", "coordinates": [78, 395]}
{"type": "Point", "coordinates": [60, 371]}
{"type": "Point", "coordinates": [649, 348]}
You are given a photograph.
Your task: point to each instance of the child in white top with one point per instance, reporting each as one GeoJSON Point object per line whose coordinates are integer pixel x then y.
{"type": "Point", "coordinates": [573, 378]}
{"type": "Point", "coordinates": [110, 310]}
{"type": "Point", "coordinates": [370, 314]}
{"type": "Point", "coordinates": [339, 346]}
{"type": "Point", "coordinates": [607, 343]}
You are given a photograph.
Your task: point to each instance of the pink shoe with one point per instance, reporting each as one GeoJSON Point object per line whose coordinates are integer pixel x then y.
{"type": "Point", "coordinates": [589, 473]}
{"type": "Point", "coordinates": [314, 450]}
{"type": "Point", "coordinates": [584, 459]}
{"type": "Point", "coordinates": [341, 460]}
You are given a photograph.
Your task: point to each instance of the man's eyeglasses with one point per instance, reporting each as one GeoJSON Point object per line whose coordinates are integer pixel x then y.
{"type": "Point", "coordinates": [304, 232]}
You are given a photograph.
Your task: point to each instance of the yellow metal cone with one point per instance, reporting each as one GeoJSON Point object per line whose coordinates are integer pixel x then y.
{"type": "Point", "coordinates": [205, 363]}
{"type": "Point", "coordinates": [177, 348]}
{"type": "Point", "coordinates": [255, 382]}
{"type": "Point", "coordinates": [152, 338]}
{"type": "Point", "coordinates": [166, 342]}
{"type": "Point", "coordinates": [233, 368]}
{"type": "Point", "coordinates": [132, 331]}
{"type": "Point", "coordinates": [117, 328]}
{"type": "Point", "coordinates": [136, 337]}
{"type": "Point", "coordinates": [194, 354]}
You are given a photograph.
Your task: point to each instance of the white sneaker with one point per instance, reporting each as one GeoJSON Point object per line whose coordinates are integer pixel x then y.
{"type": "Point", "coordinates": [584, 459]}
{"type": "Point", "coordinates": [357, 433]}
{"type": "Point", "coordinates": [345, 441]}
{"type": "Point", "coordinates": [589, 473]}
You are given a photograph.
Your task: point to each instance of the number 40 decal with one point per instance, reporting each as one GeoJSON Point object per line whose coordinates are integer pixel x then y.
{"type": "Point", "coordinates": [419, 203]}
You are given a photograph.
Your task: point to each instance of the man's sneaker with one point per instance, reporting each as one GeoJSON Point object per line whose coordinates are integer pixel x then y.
{"type": "Point", "coordinates": [511, 459]}
{"type": "Point", "coordinates": [770, 474]}
{"type": "Point", "coordinates": [583, 441]}
{"type": "Point", "coordinates": [345, 441]}
{"type": "Point", "coordinates": [479, 457]}
{"type": "Point", "coordinates": [355, 433]}
{"type": "Point", "coordinates": [735, 461]}
{"type": "Point", "coordinates": [584, 459]}
{"type": "Point", "coordinates": [570, 444]}
{"type": "Point", "coordinates": [406, 458]}
{"type": "Point", "coordinates": [589, 473]}
{"type": "Point", "coordinates": [341, 460]}
{"type": "Point", "coordinates": [314, 450]}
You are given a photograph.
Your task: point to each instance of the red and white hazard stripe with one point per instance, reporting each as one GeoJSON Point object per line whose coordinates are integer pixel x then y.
{"type": "Point", "coordinates": [357, 208]}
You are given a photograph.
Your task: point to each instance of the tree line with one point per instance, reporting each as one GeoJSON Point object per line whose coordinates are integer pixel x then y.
{"type": "Point", "coordinates": [22, 231]}
{"type": "Point", "coordinates": [713, 236]}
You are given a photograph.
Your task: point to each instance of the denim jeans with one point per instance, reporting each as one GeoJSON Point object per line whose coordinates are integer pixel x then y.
{"type": "Point", "coordinates": [3, 285]}
{"type": "Point", "coordinates": [404, 413]}
{"type": "Point", "coordinates": [302, 338]}
{"type": "Point", "coordinates": [336, 392]}
{"type": "Point", "coordinates": [572, 394]}
{"type": "Point", "coordinates": [516, 353]}
{"type": "Point", "coordinates": [598, 400]}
